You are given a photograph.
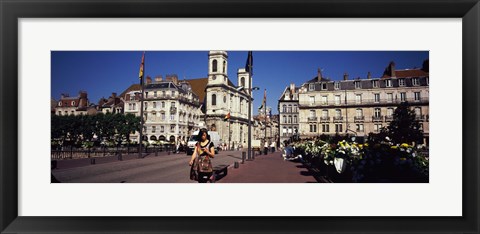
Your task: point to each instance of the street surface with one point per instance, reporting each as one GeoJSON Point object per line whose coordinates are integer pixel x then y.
{"type": "Point", "coordinates": [173, 168]}
{"type": "Point", "coordinates": [164, 168]}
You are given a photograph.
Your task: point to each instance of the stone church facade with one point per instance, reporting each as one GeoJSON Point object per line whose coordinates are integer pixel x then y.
{"type": "Point", "coordinates": [223, 97]}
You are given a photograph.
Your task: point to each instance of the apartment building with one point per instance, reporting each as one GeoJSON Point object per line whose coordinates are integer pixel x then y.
{"type": "Point", "coordinates": [362, 105]}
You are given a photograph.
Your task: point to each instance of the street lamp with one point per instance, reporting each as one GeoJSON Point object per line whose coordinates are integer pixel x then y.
{"type": "Point", "coordinates": [250, 121]}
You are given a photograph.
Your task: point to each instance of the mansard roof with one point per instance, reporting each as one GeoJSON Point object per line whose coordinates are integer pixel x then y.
{"type": "Point", "coordinates": [198, 87]}
{"type": "Point", "coordinates": [408, 73]}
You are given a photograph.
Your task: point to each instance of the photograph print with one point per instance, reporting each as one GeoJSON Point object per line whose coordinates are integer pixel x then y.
{"type": "Point", "coordinates": [224, 116]}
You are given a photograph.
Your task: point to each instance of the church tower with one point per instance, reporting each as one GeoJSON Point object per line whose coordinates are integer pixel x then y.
{"type": "Point", "coordinates": [244, 79]}
{"type": "Point", "coordinates": [217, 67]}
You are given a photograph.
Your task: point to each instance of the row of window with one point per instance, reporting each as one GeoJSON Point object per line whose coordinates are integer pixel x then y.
{"type": "Point", "coordinates": [215, 66]}
{"type": "Point", "coordinates": [155, 94]}
{"type": "Point", "coordinates": [60, 103]}
{"type": "Point", "coordinates": [172, 117]}
{"type": "Point", "coordinates": [162, 128]}
{"type": "Point", "coordinates": [376, 98]}
{"type": "Point", "coordinates": [377, 112]}
{"type": "Point", "coordinates": [375, 84]}
{"type": "Point", "coordinates": [338, 128]}
{"type": "Point", "coordinates": [133, 106]}
{"type": "Point", "coordinates": [290, 108]}
{"type": "Point", "coordinates": [289, 119]}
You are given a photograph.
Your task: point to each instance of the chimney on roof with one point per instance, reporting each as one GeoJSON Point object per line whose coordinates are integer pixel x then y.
{"type": "Point", "coordinates": [172, 78]}
{"type": "Point", "coordinates": [369, 75]}
{"type": "Point", "coordinates": [392, 69]}
{"type": "Point", "coordinates": [319, 75]}
{"type": "Point", "coordinates": [149, 80]}
{"type": "Point", "coordinates": [158, 79]}
{"type": "Point", "coordinates": [345, 76]}
{"type": "Point", "coordinates": [114, 95]}
{"type": "Point", "coordinates": [292, 87]}
{"type": "Point", "coordinates": [425, 66]}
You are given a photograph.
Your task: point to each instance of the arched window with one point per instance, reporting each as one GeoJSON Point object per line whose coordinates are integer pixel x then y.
{"type": "Point", "coordinates": [284, 119]}
{"type": "Point", "coordinates": [290, 108]}
{"type": "Point", "coordinates": [242, 81]}
{"type": "Point", "coordinates": [224, 66]}
{"type": "Point", "coordinates": [284, 108]}
{"type": "Point", "coordinates": [214, 99]}
{"type": "Point", "coordinates": [214, 65]}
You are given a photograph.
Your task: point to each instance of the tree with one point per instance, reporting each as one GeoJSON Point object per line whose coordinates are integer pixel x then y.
{"type": "Point", "coordinates": [404, 127]}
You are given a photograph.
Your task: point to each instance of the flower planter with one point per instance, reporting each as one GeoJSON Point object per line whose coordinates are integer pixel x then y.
{"type": "Point", "coordinates": [340, 164]}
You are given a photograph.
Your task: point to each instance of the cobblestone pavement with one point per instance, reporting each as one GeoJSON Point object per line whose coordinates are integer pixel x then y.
{"type": "Point", "coordinates": [270, 168]}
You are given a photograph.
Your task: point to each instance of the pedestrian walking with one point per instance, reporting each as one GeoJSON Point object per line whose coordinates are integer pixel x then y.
{"type": "Point", "coordinates": [265, 148]}
{"type": "Point", "coordinates": [201, 164]}
{"type": "Point", "coordinates": [272, 147]}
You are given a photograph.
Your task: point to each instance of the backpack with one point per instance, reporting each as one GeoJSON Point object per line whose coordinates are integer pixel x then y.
{"type": "Point", "coordinates": [204, 163]}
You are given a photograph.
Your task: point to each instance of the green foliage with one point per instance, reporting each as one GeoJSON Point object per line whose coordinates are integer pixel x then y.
{"type": "Point", "coordinates": [404, 127]}
{"type": "Point", "coordinates": [111, 128]}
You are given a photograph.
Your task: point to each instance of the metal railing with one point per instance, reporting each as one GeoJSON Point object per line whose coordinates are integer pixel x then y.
{"type": "Point", "coordinates": [359, 118]}
{"type": "Point", "coordinates": [338, 118]}
{"type": "Point", "coordinates": [377, 118]}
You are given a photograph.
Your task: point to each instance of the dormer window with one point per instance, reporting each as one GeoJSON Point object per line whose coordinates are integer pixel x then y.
{"type": "Point", "coordinates": [59, 103]}
{"type": "Point", "coordinates": [324, 86]}
{"type": "Point", "coordinates": [311, 87]}
{"type": "Point", "coordinates": [388, 83]}
{"type": "Point", "coordinates": [337, 85]}
{"type": "Point", "coordinates": [375, 83]}
{"type": "Point", "coordinates": [401, 82]}
{"type": "Point", "coordinates": [357, 84]}
{"type": "Point", "coordinates": [415, 82]}
{"type": "Point", "coordinates": [73, 103]}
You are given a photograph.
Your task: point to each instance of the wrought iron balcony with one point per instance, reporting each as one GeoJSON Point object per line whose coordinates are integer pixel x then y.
{"type": "Point", "coordinates": [325, 119]}
{"type": "Point", "coordinates": [338, 118]}
{"type": "Point", "coordinates": [377, 118]}
{"type": "Point", "coordinates": [388, 118]}
{"type": "Point", "coordinates": [359, 118]}
{"type": "Point", "coordinates": [312, 118]}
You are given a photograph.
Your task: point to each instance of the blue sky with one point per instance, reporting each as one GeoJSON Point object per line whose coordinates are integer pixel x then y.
{"type": "Point", "coordinates": [102, 72]}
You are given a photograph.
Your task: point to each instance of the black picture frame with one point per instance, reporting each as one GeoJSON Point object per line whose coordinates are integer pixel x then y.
{"type": "Point", "coordinates": [11, 11]}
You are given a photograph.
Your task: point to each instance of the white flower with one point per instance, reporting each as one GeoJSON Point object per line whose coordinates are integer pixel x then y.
{"type": "Point", "coordinates": [387, 138]}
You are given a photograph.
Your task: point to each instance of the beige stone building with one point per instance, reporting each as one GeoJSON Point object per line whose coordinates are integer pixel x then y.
{"type": "Point", "coordinates": [288, 113]}
{"type": "Point", "coordinates": [72, 105]}
{"type": "Point", "coordinates": [223, 97]}
{"type": "Point", "coordinates": [171, 109]}
{"type": "Point", "coordinates": [175, 109]}
{"type": "Point", "coordinates": [360, 106]}
{"type": "Point", "coordinates": [112, 104]}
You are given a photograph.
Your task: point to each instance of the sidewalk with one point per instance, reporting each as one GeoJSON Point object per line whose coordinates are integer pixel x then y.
{"type": "Point", "coordinates": [270, 168]}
